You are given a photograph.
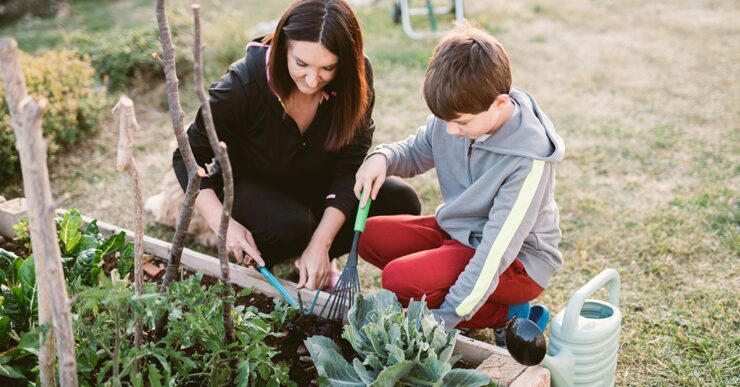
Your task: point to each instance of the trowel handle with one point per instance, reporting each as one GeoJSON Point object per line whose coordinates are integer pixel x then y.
{"type": "Point", "coordinates": [575, 304]}
{"type": "Point", "coordinates": [362, 213]}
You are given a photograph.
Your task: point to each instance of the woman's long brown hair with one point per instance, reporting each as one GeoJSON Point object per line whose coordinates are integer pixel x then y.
{"type": "Point", "coordinates": [333, 24]}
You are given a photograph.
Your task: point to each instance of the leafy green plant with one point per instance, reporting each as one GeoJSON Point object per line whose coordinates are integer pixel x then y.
{"type": "Point", "coordinates": [18, 306]}
{"type": "Point", "coordinates": [19, 334]}
{"type": "Point", "coordinates": [83, 249]}
{"type": "Point", "coordinates": [395, 348]}
{"type": "Point", "coordinates": [105, 326]}
{"type": "Point", "coordinates": [192, 352]}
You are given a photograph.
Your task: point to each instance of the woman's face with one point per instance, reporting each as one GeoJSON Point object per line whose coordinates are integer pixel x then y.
{"type": "Point", "coordinates": [311, 66]}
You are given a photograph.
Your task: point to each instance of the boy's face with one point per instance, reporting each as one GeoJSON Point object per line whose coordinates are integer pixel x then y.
{"type": "Point", "coordinates": [485, 122]}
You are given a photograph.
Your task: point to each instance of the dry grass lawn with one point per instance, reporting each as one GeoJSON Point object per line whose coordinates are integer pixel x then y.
{"type": "Point", "coordinates": [645, 95]}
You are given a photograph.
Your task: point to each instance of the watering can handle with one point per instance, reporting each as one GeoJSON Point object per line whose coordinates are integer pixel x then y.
{"type": "Point", "coordinates": [575, 304]}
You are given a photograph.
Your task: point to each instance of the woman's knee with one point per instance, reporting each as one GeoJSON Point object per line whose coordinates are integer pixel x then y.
{"type": "Point", "coordinates": [397, 197]}
{"type": "Point", "coordinates": [286, 230]}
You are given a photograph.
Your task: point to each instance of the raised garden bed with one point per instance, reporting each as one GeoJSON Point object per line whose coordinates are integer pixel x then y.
{"type": "Point", "coordinates": [486, 357]}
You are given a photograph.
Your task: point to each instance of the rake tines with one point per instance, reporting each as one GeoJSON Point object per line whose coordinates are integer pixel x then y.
{"type": "Point", "coordinates": [344, 291]}
{"type": "Point", "coordinates": [349, 282]}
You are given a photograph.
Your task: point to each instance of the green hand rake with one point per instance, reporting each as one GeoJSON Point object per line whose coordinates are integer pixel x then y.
{"type": "Point", "coordinates": [349, 282]}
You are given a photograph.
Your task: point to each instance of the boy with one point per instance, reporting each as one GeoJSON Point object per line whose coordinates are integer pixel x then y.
{"type": "Point", "coordinates": [493, 242]}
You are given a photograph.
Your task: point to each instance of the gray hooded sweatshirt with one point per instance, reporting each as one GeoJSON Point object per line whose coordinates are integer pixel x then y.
{"type": "Point", "coordinates": [498, 198]}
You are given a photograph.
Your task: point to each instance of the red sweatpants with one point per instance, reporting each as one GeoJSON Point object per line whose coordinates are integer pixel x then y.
{"type": "Point", "coordinates": [418, 258]}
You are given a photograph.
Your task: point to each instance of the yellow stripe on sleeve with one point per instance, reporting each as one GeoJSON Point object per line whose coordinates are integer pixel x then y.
{"type": "Point", "coordinates": [490, 267]}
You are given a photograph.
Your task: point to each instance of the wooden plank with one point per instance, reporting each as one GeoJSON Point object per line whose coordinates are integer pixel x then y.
{"type": "Point", "coordinates": [11, 211]}
{"type": "Point", "coordinates": [475, 352]}
{"type": "Point", "coordinates": [536, 376]}
{"type": "Point", "coordinates": [502, 368]}
{"type": "Point", "coordinates": [490, 358]}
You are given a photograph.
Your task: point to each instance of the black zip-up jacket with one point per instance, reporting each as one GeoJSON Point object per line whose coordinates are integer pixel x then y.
{"type": "Point", "coordinates": [265, 145]}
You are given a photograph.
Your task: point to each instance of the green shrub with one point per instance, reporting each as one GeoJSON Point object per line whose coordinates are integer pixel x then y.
{"type": "Point", "coordinates": [68, 83]}
{"type": "Point", "coordinates": [14, 9]}
{"type": "Point", "coordinates": [121, 60]}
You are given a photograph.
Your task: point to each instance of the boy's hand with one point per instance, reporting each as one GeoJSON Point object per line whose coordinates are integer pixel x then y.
{"type": "Point", "coordinates": [370, 177]}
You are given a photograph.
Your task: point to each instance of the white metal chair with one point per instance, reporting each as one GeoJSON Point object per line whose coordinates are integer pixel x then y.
{"type": "Point", "coordinates": [402, 13]}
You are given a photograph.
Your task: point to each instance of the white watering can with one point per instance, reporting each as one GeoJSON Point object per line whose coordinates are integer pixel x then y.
{"type": "Point", "coordinates": [584, 338]}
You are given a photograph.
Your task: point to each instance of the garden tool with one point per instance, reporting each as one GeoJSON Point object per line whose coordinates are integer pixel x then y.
{"type": "Point", "coordinates": [272, 280]}
{"type": "Point", "coordinates": [349, 282]}
{"type": "Point", "coordinates": [584, 338]}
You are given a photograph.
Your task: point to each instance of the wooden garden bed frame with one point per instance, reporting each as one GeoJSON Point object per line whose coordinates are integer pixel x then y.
{"type": "Point", "coordinates": [489, 358]}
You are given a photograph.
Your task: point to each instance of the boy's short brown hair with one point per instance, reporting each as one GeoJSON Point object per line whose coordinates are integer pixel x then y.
{"type": "Point", "coordinates": [469, 68]}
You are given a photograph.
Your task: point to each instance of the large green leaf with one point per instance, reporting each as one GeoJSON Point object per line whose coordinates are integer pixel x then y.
{"type": "Point", "coordinates": [243, 369]}
{"type": "Point", "coordinates": [366, 376]}
{"type": "Point", "coordinates": [114, 243]}
{"type": "Point", "coordinates": [13, 307]}
{"type": "Point", "coordinates": [92, 228]}
{"type": "Point", "coordinates": [4, 332]}
{"type": "Point", "coordinates": [333, 369]}
{"type": "Point", "coordinates": [155, 378]}
{"type": "Point", "coordinates": [7, 370]}
{"type": "Point", "coordinates": [7, 268]}
{"type": "Point", "coordinates": [390, 376]}
{"type": "Point", "coordinates": [466, 378]}
{"type": "Point", "coordinates": [27, 275]}
{"type": "Point", "coordinates": [69, 231]}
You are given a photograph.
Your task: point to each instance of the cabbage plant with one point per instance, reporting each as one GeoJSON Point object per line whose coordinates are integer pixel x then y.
{"type": "Point", "coordinates": [395, 347]}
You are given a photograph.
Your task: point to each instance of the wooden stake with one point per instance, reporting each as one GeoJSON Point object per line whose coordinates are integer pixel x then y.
{"type": "Point", "coordinates": [53, 302]}
{"type": "Point", "coordinates": [126, 163]}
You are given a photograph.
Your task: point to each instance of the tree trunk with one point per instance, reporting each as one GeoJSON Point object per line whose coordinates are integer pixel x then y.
{"type": "Point", "coordinates": [126, 162]}
{"type": "Point", "coordinates": [26, 121]}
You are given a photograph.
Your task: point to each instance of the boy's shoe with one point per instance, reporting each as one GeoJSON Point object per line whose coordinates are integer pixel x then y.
{"type": "Point", "coordinates": [518, 310]}
{"type": "Point", "coordinates": [500, 336]}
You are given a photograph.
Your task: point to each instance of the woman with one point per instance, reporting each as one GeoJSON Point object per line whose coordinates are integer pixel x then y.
{"type": "Point", "coordinates": [295, 114]}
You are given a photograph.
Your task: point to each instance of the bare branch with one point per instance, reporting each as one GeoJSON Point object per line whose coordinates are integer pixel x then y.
{"type": "Point", "coordinates": [194, 172]}
{"type": "Point", "coordinates": [219, 149]}
{"type": "Point", "coordinates": [13, 80]}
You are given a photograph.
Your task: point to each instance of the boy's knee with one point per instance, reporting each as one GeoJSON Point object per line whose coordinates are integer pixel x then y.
{"type": "Point", "coordinates": [395, 279]}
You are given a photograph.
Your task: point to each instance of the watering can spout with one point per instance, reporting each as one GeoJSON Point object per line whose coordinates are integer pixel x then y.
{"type": "Point", "coordinates": [561, 366]}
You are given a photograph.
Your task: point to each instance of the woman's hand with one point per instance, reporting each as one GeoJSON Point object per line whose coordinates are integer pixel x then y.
{"type": "Point", "coordinates": [239, 241]}
{"type": "Point", "coordinates": [314, 267]}
{"type": "Point", "coordinates": [370, 177]}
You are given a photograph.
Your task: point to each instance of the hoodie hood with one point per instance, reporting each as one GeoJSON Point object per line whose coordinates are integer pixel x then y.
{"type": "Point", "coordinates": [528, 133]}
